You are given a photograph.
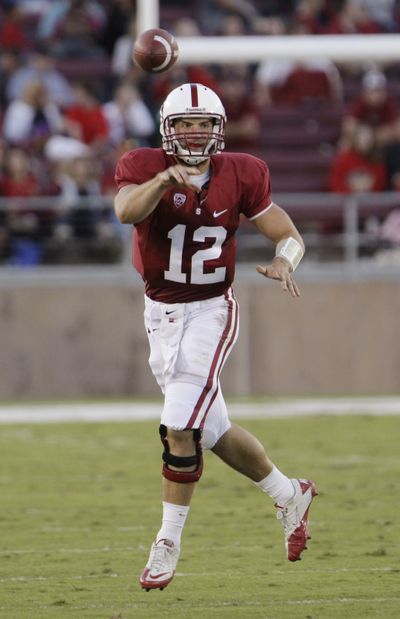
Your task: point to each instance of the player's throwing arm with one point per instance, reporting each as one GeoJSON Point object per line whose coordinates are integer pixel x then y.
{"type": "Point", "coordinates": [133, 203]}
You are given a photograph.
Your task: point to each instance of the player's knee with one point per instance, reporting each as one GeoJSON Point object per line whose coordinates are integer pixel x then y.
{"type": "Point", "coordinates": [182, 456]}
{"type": "Point", "coordinates": [181, 442]}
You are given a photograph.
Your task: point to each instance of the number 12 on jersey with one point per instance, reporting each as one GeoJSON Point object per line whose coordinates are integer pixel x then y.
{"type": "Point", "coordinates": [197, 275]}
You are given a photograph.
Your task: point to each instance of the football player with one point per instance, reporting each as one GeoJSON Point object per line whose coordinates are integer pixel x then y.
{"type": "Point", "coordinates": [185, 201]}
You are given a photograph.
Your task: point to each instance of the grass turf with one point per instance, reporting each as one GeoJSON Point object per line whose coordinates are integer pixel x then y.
{"type": "Point", "coordinates": [80, 506]}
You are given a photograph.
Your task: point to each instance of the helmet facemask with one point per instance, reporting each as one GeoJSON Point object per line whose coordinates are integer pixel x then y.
{"type": "Point", "coordinates": [193, 147]}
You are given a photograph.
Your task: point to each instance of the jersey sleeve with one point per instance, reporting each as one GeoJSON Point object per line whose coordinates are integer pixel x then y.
{"type": "Point", "coordinates": [257, 185]}
{"type": "Point", "coordinates": [137, 166]}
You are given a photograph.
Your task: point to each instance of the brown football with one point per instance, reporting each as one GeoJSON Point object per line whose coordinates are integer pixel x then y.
{"type": "Point", "coordinates": [155, 50]}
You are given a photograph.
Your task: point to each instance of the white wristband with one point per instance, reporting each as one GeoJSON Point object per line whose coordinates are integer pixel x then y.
{"type": "Point", "coordinates": [290, 250]}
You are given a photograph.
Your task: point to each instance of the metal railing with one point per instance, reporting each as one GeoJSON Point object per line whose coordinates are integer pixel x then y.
{"type": "Point", "coordinates": [347, 213]}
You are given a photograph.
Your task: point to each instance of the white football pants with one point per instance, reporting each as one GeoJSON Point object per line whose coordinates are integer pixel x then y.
{"type": "Point", "coordinates": [189, 344]}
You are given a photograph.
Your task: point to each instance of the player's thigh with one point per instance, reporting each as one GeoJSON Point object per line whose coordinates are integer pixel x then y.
{"type": "Point", "coordinates": [207, 341]}
{"type": "Point", "coordinates": [181, 399]}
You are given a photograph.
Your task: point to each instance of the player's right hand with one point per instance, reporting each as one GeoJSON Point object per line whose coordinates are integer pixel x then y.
{"type": "Point", "coordinates": [178, 175]}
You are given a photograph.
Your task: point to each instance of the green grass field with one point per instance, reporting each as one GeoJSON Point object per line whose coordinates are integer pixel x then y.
{"type": "Point", "coordinates": [80, 506]}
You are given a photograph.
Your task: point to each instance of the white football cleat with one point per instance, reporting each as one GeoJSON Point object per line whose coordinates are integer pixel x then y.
{"type": "Point", "coordinates": [160, 567]}
{"type": "Point", "coordinates": [294, 517]}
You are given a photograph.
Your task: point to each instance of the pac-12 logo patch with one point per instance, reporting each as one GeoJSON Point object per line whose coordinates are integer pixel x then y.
{"type": "Point", "coordinates": [179, 199]}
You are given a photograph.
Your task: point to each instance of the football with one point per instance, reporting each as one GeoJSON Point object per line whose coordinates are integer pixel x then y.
{"type": "Point", "coordinates": [155, 50]}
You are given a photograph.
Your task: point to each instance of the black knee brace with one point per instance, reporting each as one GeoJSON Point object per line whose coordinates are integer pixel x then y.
{"type": "Point", "coordinates": [182, 477]}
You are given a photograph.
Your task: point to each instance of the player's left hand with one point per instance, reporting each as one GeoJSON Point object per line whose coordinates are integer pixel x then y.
{"type": "Point", "coordinates": [279, 269]}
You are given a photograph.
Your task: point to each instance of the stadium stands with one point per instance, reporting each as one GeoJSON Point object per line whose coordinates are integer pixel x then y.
{"type": "Point", "coordinates": [298, 142]}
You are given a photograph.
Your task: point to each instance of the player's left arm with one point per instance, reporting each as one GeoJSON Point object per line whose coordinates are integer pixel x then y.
{"type": "Point", "coordinates": [276, 225]}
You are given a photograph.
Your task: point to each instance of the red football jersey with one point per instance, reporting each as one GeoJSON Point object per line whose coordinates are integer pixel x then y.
{"type": "Point", "coordinates": [185, 250]}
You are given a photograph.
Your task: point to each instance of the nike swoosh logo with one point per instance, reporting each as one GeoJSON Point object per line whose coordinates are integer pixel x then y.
{"type": "Point", "coordinates": [156, 576]}
{"type": "Point", "coordinates": [217, 214]}
{"type": "Point", "coordinates": [171, 312]}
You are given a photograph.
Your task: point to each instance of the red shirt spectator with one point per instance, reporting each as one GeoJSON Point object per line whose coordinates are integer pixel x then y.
{"type": "Point", "coordinates": [86, 115]}
{"type": "Point", "coordinates": [303, 84]}
{"type": "Point", "coordinates": [352, 171]}
{"type": "Point", "coordinates": [288, 82]}
{"type": "Point", "coordinates": [352, 18]}
{"type": "Point", "coordinates": [374, 107]}
{"type": "Point", "coordinates": [386, 111]}
{"type": "Point", "coordinates": [358, 168]}
{"type": "Point", "coordinates": [18, 180]}
{"type": "Point", "coordinates": [92, 122]}
{"type": "Point", "coordinates": [21, 188]}
{"type": "Point", "coordinates": [12, 35]}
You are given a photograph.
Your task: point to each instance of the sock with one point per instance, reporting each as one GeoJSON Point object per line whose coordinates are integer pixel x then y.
{"type": "Point", "coordinates": [174, 517]}
{"type": "Point", "coordinates": [277, 486]}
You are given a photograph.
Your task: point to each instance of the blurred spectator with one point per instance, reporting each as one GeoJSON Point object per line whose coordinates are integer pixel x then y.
{"type": "Point", "coordinates": [27, 226]}
{"type": "Point", "coordinates": [12, 35]}
{"type": "Point", "coordinates": [41, 67]}
{"type": "Point", "coordinates": [30, 120]}
{"type": "Point", "coordinates": [375, 107]}
{"type": "Point", "coordinates": [243, 127]}
{"type": "Point", "coordinates": [79, 178]}
{"type": "Point", "coordinates": [128, 116]}
{"type": "Point", "coordinates": [212, 12]}
{"type": "Point", "coordinates": [18, 180]}
{"type": "Point", "coordinates": [9, 64]}
{"type": "Point", "coordinates": [291, 82]}
{"type": "Point", "coordinates": [315, 15]}
{"type": "Point", "coordinates": [186, 27]}
{"type": "Point", "coordinates": [35, 8]}
{"type": "Point", "coordinates": [51, 20]}
{"type": "Point", "coordinates": [382, 12]}
{"type": "Point", "coordinates": [352, 17]}
{"type": "Point", "coordinates": [85, 230]}
{"type": "Point", "coordinates": [271, 26]}
{"type": "Point", "coordinates": [360, 167]}
{"type": "Point", "coordinates": [121, 59]}
{"type": "Point", "coordinates": [286, 82]}
{"type": "Point", "coordinates": [118, 24]}
{"type": "Point", "coordinates": [232, 25]}
{"type": "Point", "coordinates": [76, 34]}
{"type": "Point", "coordinates": [85, 117]}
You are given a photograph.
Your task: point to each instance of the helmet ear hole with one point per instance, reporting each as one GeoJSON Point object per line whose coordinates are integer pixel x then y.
{"type": "Point", "coordinates": [195, 101]}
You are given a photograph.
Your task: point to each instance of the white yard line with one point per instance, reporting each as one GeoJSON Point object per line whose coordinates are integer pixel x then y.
{"type": "Point", "coordinates": [139, 411]}
{"type": "Point", "coordinates": [200, 574]}
{"type": "Point", "coordinates": [244, 605]}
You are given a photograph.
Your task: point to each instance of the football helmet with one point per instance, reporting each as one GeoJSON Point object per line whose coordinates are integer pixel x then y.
{"type": "Point", "coordinates": [196, 101]}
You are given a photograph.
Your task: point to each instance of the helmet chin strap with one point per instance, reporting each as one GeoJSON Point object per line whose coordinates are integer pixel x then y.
{"type": "Point", "coordinates": [193, 160]}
